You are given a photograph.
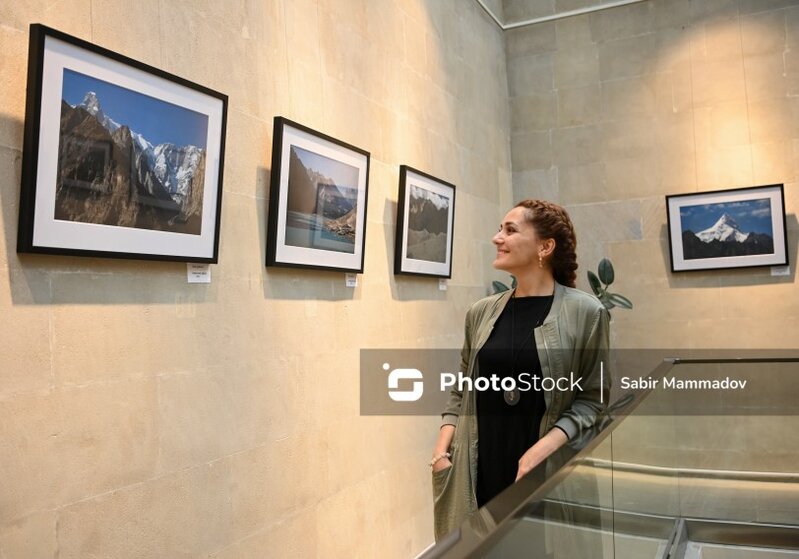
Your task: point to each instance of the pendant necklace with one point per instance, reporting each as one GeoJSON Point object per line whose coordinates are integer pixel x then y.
{"type": "Point", "coordinates": [512, 397]}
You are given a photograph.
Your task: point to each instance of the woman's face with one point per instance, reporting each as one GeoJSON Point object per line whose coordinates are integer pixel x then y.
{"type": "Point", "coordinates": [517, 243]}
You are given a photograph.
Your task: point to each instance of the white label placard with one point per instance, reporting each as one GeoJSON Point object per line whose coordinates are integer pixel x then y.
{"type": "Point", "coordinates": [198, 273]}
{"type": "Point", "coordinates": [351, 280]}
{"type": "Point", "coordinates": [442, 284]}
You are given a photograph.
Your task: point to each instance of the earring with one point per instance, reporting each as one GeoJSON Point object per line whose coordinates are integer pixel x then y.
{"type": "Point", "coordinates": [540, 261]}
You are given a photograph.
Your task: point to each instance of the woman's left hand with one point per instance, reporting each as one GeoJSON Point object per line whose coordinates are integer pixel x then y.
{"type": "Point", "coordinates": [536, 454]}
{"type": "Point", "coordinates": [528, 462]}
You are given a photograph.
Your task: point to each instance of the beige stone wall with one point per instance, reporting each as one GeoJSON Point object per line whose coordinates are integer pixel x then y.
{"type": "Point", "coordinates": [612, 111]}
{"type": "Point", "coordinates": [144, 417]}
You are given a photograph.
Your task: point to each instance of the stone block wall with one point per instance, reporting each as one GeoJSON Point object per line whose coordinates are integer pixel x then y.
{"type": "Point", "coordinates": [144, 417]}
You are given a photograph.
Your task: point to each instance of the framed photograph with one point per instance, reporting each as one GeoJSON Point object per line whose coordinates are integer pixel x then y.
{"type": "Point", "coordinates": [425, 225]}
{"type": "Point", "coordinates": [728, 229]}
{"type": "Point", "coordinates": [317, 200]}
{"type": "Point", "coordinates": [120, 159]}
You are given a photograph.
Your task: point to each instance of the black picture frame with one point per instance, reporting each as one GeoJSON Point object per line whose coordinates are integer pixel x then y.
{"type": "Point", "coordinates": [425, 225]}
{"type": "Point", "coordinates": [133, 170]}
{"type": "Point", "coordinates": [317, 202]}
{"type": "Point", "coordinates": [737, 228]}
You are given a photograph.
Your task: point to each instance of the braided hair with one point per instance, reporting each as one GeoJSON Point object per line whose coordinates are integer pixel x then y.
{"type": "Point", "coordinates": [551, 221]}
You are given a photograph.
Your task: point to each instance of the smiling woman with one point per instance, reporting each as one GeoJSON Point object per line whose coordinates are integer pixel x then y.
{"type": "Point", "coordinates": [544, 327]}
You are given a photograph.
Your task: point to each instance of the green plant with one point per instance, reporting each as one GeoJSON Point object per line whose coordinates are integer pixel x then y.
{"type": "Point", "coordinates": [499, 287]}
{"type": "Point", "coordinates": [605, 275]}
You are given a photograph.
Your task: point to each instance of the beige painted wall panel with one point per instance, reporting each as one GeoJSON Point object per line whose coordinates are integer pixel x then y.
{"type": "Point", "coordinates": [625, 177]}
{"type": "Point", "coordinates": [623, 139]}
{"type": "Point", "coordinates": [32, 536]}
{"type": "Point", "coordinates": [532, 150]}
{"type": "Point", "coordinates": [345, 512]}
{"type": "Point", "coordinates": [715, 10]}
{"type": "Point", "coordinates": [578, 66]}
{"type": "Point", "coordinates": [249, 139]}
{"type": "Point", "coordinates": [530, 74]}
{"type": "Point", "coordinates": [716, 81]}
{"type": "Point", "coordinates": [138, 22]}
{"type": "Point", "coordinates": [10, 173]}
{"type": "Point", "coordinates": [255, 85]}
{"type": "Point", "coordinates": [628, 98]}
{"type": "Point", "coordinates": [765, 76]}
{"type": "Point", "coordinates": [204, 417]}
{"type": "Point", "coordinates": [187, 513]}
{"type": "Point", "coordinates": [534, 112]}
{"type": "Point", "coordinates": [763, 33]}
{"type": "Point", "coordinates": [579, 105]}
{"type": "Point", "coordinates": [536, 184]}
{"type": "Point", "coordinates": [626, 21]}
{"type": "Point", "coordinates": [521, 41]}
{"type": "Point", "coordinates": [25, 363]}
{"type": "Point", "coordinates": [583, 184]}
{"type": "Point", "coordinates": [628, 57]}
{"type": "Point", "coordinates": [152, 418]}
{"type": "Point", "coordinates": [772, 163]}
{"type": "Point", "coordinates": [573, 31]}
{"type": "Point", "coordinates": [72, 16]}
{"type": "Point", "coordinates": [302, 31]}
{"type": "Point", "coordinates": [74, 443]}
{"type": "Point", "coordinates": [288, 538]}
{"type": "Point", "coordinates": [677, 173]}
{"type": "Point", "coordinates": [577, 145]}
{"type": "Point", "coordinates": [12, 99]}
{"type": "Point", "coordinates": [725, 167]}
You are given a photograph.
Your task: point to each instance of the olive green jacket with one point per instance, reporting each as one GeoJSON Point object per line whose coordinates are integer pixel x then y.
{"type": "Point", "coordinates": [574, 337]}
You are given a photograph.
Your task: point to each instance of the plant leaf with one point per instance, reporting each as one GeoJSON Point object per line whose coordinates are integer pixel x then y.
{"type": "Point", "coordinates": [605, 300]}
{"type": "Point", "coordinates": [596, 285]}
{"type": "Point", "coordinates": [498, 286]}
{"type": "Point", "coordinates": [620, 300]}
{"type": "Point", "coordinates": [606, 273]}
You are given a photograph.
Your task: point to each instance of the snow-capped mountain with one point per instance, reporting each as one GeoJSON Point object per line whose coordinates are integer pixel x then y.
{"type": "Point", "coordinates": [91, 105]}
{"type": "Point", "coordinates": [725, 229]}
{"type": "Point", "coordinates": [174, 166]}
{"type": "Point", "coordinates": [440, 202]}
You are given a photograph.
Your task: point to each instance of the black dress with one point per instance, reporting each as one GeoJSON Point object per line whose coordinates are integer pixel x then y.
{"type": "Point", "coordinates": [505, 432]}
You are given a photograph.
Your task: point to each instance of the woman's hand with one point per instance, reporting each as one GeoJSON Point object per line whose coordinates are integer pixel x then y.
{"type": "Point", "coordinates": [537, 453]}
{"type": "Point", "coordinates": [442, 464]}
{"type": "Point", "coordinates": [528, 462]}
{"type": "Point", "coordinates": [445, 435]}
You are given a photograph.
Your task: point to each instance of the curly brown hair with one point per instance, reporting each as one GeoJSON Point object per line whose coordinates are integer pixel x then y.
{"type": "Point", "coordinates": [552, 222]}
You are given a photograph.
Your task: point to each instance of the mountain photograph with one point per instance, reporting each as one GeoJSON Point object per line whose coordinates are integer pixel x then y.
{"type": "Point", "coordinates": [142, 168]}
{"type": "Point", "coordinates": [726, 237]}
{"type": "Point", "coordinates": [428, 223]}
{"type": "Point", "coordinates": [322, 202]}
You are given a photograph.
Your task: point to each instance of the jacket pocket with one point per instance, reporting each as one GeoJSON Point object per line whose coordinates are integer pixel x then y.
{"type": "Point", "coordinates": [446, 498]}
{"type": "Point", "coordinates": [440, 481]}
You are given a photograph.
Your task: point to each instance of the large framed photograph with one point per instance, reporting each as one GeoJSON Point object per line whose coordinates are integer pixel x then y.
{"type": "Point", "coordinates": [728, 229]}
{"type": "Point", "coordinates": [425, 225]}
{"type": "Point", "coordinates": [120, 159]}
{"type": "Point", "coordinates": [317, 201]}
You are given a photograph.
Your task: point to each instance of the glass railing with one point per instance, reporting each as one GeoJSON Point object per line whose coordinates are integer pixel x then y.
{"type": "Point", "coordinates": [703, 464]}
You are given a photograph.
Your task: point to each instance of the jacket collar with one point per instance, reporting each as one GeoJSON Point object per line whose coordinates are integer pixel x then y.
{"type": "Point", "coordinates": [502, 301]}
{"type": "Point", "coordinates": [557, 301]}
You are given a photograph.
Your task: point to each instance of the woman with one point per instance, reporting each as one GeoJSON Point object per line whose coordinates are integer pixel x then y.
{"type": "Point", "coordinates": [545, 328]}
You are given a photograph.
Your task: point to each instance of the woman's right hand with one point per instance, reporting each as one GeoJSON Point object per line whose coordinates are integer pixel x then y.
{"type": "Point", "coordinates": [442, 464]}
{"type": "Point", "coordinates": [445, 435]}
